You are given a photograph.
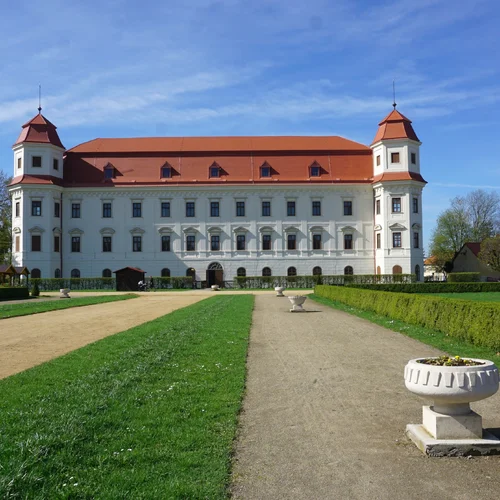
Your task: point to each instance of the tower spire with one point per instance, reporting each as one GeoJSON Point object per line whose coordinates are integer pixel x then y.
{"type": "Point", "coordinates": [39, 99]}
{"type": "Point", "coordinates": [394, 94]}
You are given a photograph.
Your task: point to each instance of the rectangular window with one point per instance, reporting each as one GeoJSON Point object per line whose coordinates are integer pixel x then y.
{"type": "Point", "coordinates": [36, 208]}
{"type": "Point", "coordinates": [347, 241]}
{"type": "Point", "coordinates": [214, 171]}
{"type": "Point", "coordinates": [413, 158]}
{"type": "Point", "coordinates": [214, 209]}
{"type": "Point", "coordinates": [190, 243]}
{"type": "Point", "coordinates": [265, 171]}
{"type": "Point", "coordinates": [290, 208]}
{"type": "Point", "coordinates": [315, 171]}
{"type": "Point", "coordinates": [17, 247]}
{"type": "Point", "coordinates": [109, 172]}
{"type": "Point", "coordinates": [36, 243]}
{"type": "Point", "coordinates": [416, 240]}
{"type": "Point", "coordinates": [75, 210]}
{"type": "Point", "coordinates": [18, 209]}
{"type": "Point", "coordinates": [347, 207]}
{"type": "Point", "coordinates": [57, 209]}
{"type": "Point", "coordinates": [106, 243]}
{"type": "Point", "coordinates": [57, 244]}
{"type": "Point", "coordinates": [396, 205]}
{"type": "Point", "coordinates": [215, 243]}
{"type": "Point", "coordinates": [394, 157]}
{"type": "Point", "coordinates": [266, 242]}
{"type": "Point", "coordinates": [378, 240]}
{"type": "Point", "coordinates": [266, 208]}
{"type": "Point", "coordinates": [240, 209]}
{"type": "Point", "coordinates": [19, 162]}
{"type": "Point", "coordinates": [378, 160]}
{"type": "Point", "coordinates": [316, 241]}
{"type": "Point", "coordinates": [240, 242]}
{"type": "Point", "coordinates": [377, 207]}
{"type": "Point", "coordinates": [165, 209]}
{"type": "Point", "coordinates": [291, 242]}
{"type": "Point", "coordinates": [189, 208]}
{"type": "Point", "coordinates": [415, 205]}
{"type": "Point", "coordinates": [136, 209]}
{"type": "Point", "coordinates": [106, 210]}
{"type": "Point", "coordinates": [75, 243]}
{"type": "Point", "coordinates": [396, 240]}
{"type": "Point", "coordinates": [55, 164]}
{"type": "Point", "coordinates": [136, 243]}
{"type": "Point", "coordinates": [165, 243]}
{"type": "Point", "coordinates": [166, 172]}
{"type": "Point", "coordinates": [316, 207]}
{"type": "Point", "coordinates": [36, 161]}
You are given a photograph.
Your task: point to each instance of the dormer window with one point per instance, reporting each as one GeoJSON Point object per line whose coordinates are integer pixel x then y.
{"type": "Point", "coordinates": [315, 171]}
{"type": "Point", "coordinates": [36, 161]}
{"type": "Point", "coordinates": [394, 157]}
{"type": "Point", "coordinates": [166, 172]}
{"type": "Point", "coordinates": [265, 171]}
{"type": "Point", "coordinates": [109, 172]}
{"type": "Point", "coordinates": [214, 171]}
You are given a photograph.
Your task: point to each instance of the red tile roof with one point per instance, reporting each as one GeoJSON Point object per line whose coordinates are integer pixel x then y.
{"type": "Point", "coordinates": [399, 176]}
{"type": "Point", "coordinates": [474, 247]}
{"type": "Point", "coordinates": [395, 126]}
{"type": "Point", "coordinates": [39, 130]}
{"type": "Point", "coordinates": [36, 179]}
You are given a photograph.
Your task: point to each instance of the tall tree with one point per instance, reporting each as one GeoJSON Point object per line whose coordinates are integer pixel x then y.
{"type": "Point", "coordinates": [490, 252]}
{"type": "Point", "coordinates": [5, 220]}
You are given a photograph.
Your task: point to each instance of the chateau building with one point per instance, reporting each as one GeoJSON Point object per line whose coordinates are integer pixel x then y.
{"type": "Point", "coordinates": [218, 207]}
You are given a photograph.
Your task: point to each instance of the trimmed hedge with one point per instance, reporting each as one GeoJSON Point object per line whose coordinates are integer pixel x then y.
{"type": "Point", "coordinates": [14, 292]}
{"type": "Point", "coordinates": [474, 322]}
{"type": "Point", "coordinates": [169, 283]}
{"type": "Point", "coordinates": [433, 287]}
{"type": "Point", "coordinates": [464, 277]}
{"type": "Point", "coordinates": [311, 281]}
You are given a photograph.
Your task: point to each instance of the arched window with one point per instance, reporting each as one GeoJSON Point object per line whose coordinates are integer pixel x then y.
{"type": "Point", "coordinates": [75, 273]}
{"type": "Point", "coordinates": [292, 271]}
{"type": "Point", "coordinates": [266, 271]}
{"type": "Point", "coordinates": [317, 271]}
{"type": "Point", "coordinates": [57, 273]}
{"type": "Point", "coordinates": [397, 270]}
{"type": "Point", "coordinates": [36, 273]}
{"type": "Point", "coordinates": [106, 273]}
{"type": "Point", "coordinates": [165, 272]}
{"type": "Point", "coordinates": [417, 272]}
{"type": "Point", "coordinates": [348, 270]}
{"type": "Point", "coordinates": [241, 271]}
{"type": "Point", "coordinates": [379, 271]}
{"type": "Point", "coordinates": [191, 272]}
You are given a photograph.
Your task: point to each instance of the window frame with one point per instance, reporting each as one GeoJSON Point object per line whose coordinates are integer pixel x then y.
{"type": "Point", "coordinates": [291, 241]}
{"type": "Point", "coordinates": [415, 205]}
{"type": "Point", "coordinates": [267, 240]}
{"type": "Point", "coordinates": [316, 208]}
{"type": "Point", "coordinates": [416, 239]}
{"type": "Point", "coordinates": [166, 172]}
{"type": "Point", "coordinates": [240, 207]}
{"type": "Point", "coordinates": [36, 238]}
{"type": "Point", "coordinates": [241, 243]}
{"type": "Point", "coordinates": [36, 208]}
{"type": "Point", "coordinates": [348, 241]}
{"type": "Point", "coordinates": [397, 239]}
{"type": "Point", "coordinates": [266, 207]}
{"type": "Point", "coordinates": [107, 244]}
{"type": "Point", "coordinates": [317, 241]}
{"type": "Point", "coordinates": [76, 244]}
{"type": "Point", "coordinates": [76, 210]}
{"type": "Point", "coordinates": [107, 210]}
{"type": "Point", "coordinates": [214, 209]}
{"type": "Point", "coordinates": [215, 243]}
{"type": "Point", "coordinates": [137, 209]}
{"type": "Point", "coordinates": [136, 243]}
{"type": "Point", "coordinates": [165, 209]}
{"type": "Point", "coordinates": [214, 172]}
{"type": "Point", "coordinates": [347, 208]}
{"type": "Point", "coordinates": [315, 171]}
{"type": "Point", "coordinates": [377, 206]}
{"type": "Point", "coordinates": [395, 157]}
{"type": "Point", "coordinates": [38, 157]}
{"type": "Point", "coordinates": [165, 243]}
{"type": "Point", "coordinates": [396, 207]}
{"type": "Point", "coordinates": [291, 208]}
{"type": "Point", "coordinates": [265, 172]}
{"type": "Point", "coordinates": [378, 239]}
{"type": "Point", "coordinates": [190, 209]}
{"type": "Point", "coordinates": [190, 243]}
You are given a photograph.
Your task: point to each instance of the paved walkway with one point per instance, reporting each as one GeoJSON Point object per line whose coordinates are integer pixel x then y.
{"type": "Point", "coordinates": [325, 412]}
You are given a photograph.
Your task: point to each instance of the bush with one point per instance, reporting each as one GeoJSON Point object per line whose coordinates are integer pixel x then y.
{"type": "Point", "coordinates": [432, 287]}
{"type": "Point", "coordinates": [471, 321]}
{"type": "Point", "coordinates": [464, 277]}
{"type": "Point", "coordinates": [55, 284]}
{"type": "Point", "coordinates": [14, 293]}
{"type": "Point", "coordinates": [35, 290]}
{"type": "Point", "coordinates": [160, 282]}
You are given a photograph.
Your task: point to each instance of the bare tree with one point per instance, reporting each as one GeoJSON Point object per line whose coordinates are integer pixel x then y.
{"type": "Point", "coordinates": [5, 219]}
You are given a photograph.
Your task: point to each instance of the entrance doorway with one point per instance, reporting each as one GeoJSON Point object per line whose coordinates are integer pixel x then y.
{"type": "Point", "coordinates": [215, 275]}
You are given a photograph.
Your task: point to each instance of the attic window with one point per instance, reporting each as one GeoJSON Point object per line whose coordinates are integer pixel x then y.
{"type": "Point", "coordinates": [214, 171]}
{"type": "Point", "coordinates": [413, 158]}
{"type": "Point", "coordinates": [265, 171]}
{"type": "Point", "coordinates": [109, 172]}
{"type": "Point", "coordinates": [394, 157]}
{"type": "Point", "coordinates": [166, 172]}
{"type": "Point", "coordinates": [55, 164]}
{"type": "Point", "coordinates": [378, 160]}
{"type": "Point", "coordinates": [36, 161]}
{"type": "Point", "coordinates": [315, 171]}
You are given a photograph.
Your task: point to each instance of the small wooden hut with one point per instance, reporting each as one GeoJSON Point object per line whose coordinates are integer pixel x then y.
{"type": "Point", "coordinates": [127, 279]}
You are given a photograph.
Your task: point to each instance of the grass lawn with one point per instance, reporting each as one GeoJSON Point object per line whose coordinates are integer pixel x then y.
{"type": "Point", "coordinates": [33, 307]}
{"type": "Point", "coordinates": [147, 413]}
{"type": "Point", "coordinates": [479, 296]}
{"type": "Point", "coordinates": [449, 345]}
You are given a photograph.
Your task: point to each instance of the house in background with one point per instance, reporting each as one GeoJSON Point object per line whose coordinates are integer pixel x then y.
{"type": "Point", "coordinates": [431, 271]}
{"type": "Point", "coordinates": [466, 261]}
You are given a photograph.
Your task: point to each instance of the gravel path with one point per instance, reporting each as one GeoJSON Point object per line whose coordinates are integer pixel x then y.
{"type": "Point", "coordinates": [325, 412]}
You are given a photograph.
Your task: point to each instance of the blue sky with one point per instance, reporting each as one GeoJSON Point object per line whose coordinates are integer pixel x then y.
{"type": "Point", "coordinates": [263, 67]}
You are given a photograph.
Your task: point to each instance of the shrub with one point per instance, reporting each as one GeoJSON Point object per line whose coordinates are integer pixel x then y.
{"type": "Point", "coordinates": [35, 290]}
{"type": "Point", "coordinates": [432, 287]}
{"type": "Point", "coordinates": [471, 321]}
{"type": "Point", "coordinates": [13, 293]}
{"type": "Point", "coordinates": [464, 277]}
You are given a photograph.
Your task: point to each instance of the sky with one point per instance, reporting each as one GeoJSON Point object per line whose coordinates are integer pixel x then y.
{"type": "Point", "coordinates": [123, 68]}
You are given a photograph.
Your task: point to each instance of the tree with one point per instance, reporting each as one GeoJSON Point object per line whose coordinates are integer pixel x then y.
{"type": "Point", "coordinates": [490, 252]}
{"type": "Point", "coordinates": [5, 220]}
{"type": "Point", "coordinates": [470, 218]}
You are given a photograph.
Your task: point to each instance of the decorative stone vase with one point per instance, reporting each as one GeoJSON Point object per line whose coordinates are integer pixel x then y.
{"type": "Point", "coordinates": [215, 288]}
{"type": "Point", "coordinates": [64, 293]}
{"type": "Point", "coordinates": [297, 301]}
{"type": "Point", "coordinates": [279, 291]}
{"type": "Point", "coordinates": [452, 388]}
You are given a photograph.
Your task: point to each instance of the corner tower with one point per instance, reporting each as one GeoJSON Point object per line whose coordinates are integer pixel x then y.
{"type": "Point", "coordinates": [397, 188]}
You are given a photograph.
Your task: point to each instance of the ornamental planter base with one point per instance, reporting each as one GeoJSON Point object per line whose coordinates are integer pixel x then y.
{"type": "Point", "coordinates": [64, 293]}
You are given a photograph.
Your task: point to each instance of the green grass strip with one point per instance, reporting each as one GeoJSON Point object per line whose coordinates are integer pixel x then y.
{"type": "Point", "coordinates": [34, 307]}
{"type": "Point", "coordinates": [450, 345]}
{"type": "Point", "coordinates": [479, 296]}
{"type": "Point", "coordinates": [147, 413]}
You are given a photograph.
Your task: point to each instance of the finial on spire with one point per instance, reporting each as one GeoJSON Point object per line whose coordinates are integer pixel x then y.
{"type": "Point", "coordinates": [394, 94]}
{"type": "Point", "coordinates": [39, 99]}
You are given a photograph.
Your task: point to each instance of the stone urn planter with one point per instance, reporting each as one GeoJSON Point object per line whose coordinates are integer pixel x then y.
{"type": "Point", "coordinates": [64, 293]}
{"type": "Point", "coordinates": [297, 301]}
{"type": "Point", "coordinates": [279, 291]}
{"type": "Point", "coordinates": [215, 288]}
{"type": "Point", "coordinates": [451, 388]}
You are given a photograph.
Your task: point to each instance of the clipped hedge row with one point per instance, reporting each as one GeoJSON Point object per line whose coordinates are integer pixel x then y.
{"type": "Point", "coordinates": [52, 284]}
{"type": "Point", "coordinates": [464, 277]}
{"type": "Point", "coordinates": [14, 293]}
{"type": "Point", "coordinates": [311, 281]}
{"type": "Point", "coordinates": [471, 321]}
{"type": "Point", "coordinates": [160, 282]}
{"type": "Point", "coordinates": [432, 287]}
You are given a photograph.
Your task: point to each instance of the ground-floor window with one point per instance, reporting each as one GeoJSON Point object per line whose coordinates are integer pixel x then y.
{"type": "Point", "coordinates": [292, 271]}
{"type": "Point", "coordinates": [241, 271]}
{"type": "Point", "coordinates": [165, 272]}
{"type": "Point", "coordinates": [75, 273]}
{"type": "Point", "coordinates": [348, 270]}
{"type": "Point", "coordinates": [266, 271]}
{"type": "Point", "coordinates": [317, 271]}
{"type": "Point", "coordinates": [106, 273]}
